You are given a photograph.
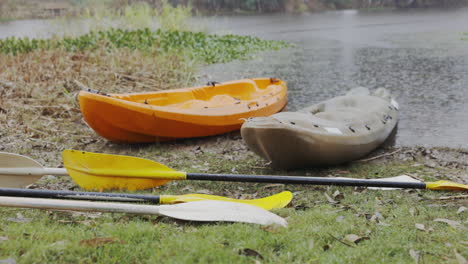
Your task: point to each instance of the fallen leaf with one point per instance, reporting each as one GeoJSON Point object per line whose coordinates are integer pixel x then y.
{"type": "Point", "coordinates": [460, 258]}
{"type": "Point", "coordinates": [250, 253]}
{"type": "Point", "coordinates": [19, 219]}
{"type": "Point", "coordinates": [7, 261]}
{"type": "Point", "coordinates": [198, 150]}
{"type": "Point", "coordinates": [377, 217]}
{"type": "Point", "coordinates": [84, 222]}
{"type": "Point", "coordinates": [343, 172]}
{"type": "Point", "coordinates": [311, 244]}
{"type": "Point", "coordinates": [461, 209]}
{"type": "Point", "coordinates": [359, 190]}
{"type": "Point", "coordinates": [59, 244]}
{"type": "Point", "coordinates": [451, 223]}
{"type": "Point", "coordinates": [204, 191]}
{"type": "Point", "coordinates": [339, 218]}
{"type": "Point", "coordinates": [301, 207]}
{"type": "Point", "coordinates": [337, 195]}
{"type": "Point", "coordinates": [225, 244]}
{"type": "Point", "coordinates": [330, 200]}
{"type": "Point", "coordinates": [187, 188]}
{"type": "Point", "coordinates": [274, 229]}
{"type": "Point", "coordinates": [3, 238]}
{"type": "Point", "coordinates": [354, 238]}
{"type": "Point", "coordinates": [100, 241]}
{"type": "Point", "coordinates": [415, 255]}
{"type": "Point", "coordinates": [341, 241]}
{"type": "Point", "coordinates": [431, 164]}
{"type": "Point", "coordinates": [420, 227]}
{"type": "Point", "coordinates": [273, 185]}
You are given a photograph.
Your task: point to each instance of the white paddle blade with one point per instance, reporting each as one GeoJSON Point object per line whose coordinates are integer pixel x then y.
{"type": "Point", "coordinates": [221, 211]}
{"type": "Point", "coordinates": [17, 171]}
{"type": "Point", "coordinates": [192, 211]}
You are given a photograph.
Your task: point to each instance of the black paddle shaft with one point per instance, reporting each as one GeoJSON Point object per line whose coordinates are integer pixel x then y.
{"type": "Point", "coordinates": [304, 180]}
{"type": "Point", "coordinates": [94, 196]}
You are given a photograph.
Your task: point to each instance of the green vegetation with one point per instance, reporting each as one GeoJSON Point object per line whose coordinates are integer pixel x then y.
{"type": "Point", "coordinates": [391, 226]}
{"type": "Point", "coordinates": [207, 48]}
{"type": "Point", "coordinates": [174, 18]}
{"type": "Point", "coordinates": [138, 15]}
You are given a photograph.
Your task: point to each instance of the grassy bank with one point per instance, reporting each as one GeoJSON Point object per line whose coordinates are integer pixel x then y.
{"type": "Point", "coordinates": [389, 226]}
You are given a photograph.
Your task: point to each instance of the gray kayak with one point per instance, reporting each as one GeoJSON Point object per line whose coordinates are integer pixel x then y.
{"type": "Point", "coordinates": [335, 131]}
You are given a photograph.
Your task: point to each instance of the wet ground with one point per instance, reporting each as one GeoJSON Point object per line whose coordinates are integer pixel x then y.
{"type": "Point", "coordinates": [419, 55]}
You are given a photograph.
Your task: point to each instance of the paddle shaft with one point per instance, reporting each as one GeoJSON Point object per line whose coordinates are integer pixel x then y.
{"type": "Point", "coordinates": [304, 180]}
{"type": "Point", "coordinates": [193, 211]}
{"type": "Point", "coordinates": [33, 171]}
{"type": "Point", "coordinates": [94, 196]}
{"type": "Point", "coordinates": [77, 205]}
{"type": "Point", "coordinates": [225, 177]}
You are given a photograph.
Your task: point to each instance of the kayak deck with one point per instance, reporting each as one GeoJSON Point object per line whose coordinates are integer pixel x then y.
{"type": "Point", "coordinates": [181, 113]}
{"type": "Point", "coordinates": [339, 130]}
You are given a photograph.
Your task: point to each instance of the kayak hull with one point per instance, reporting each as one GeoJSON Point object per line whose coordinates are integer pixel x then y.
{"type": "Point", "coordinates": [339, 130]}
{"type": "Point", "coordinates": [181, 113]}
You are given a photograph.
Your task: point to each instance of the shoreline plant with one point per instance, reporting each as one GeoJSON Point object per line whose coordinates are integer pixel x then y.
{"type": "Point", "coordinates": [196, 45]}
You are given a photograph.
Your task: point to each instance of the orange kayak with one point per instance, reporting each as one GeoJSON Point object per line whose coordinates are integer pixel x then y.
{"type": "Point", "coordinates": [181, 113]}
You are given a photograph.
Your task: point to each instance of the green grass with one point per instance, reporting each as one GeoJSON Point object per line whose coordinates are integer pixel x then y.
{"type": "Point", "coordinates": [149, 239]}
{"type": "Point", "coordinates": [314, 223]}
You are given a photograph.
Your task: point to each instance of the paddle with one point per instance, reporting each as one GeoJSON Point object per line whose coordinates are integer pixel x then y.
{"type": "Point", "coordinates": [14, 165]}
{"type": "Point", "coordinates": [191, 211]}
{"type": "Point", "coordinates": [105, 171]}
{"type": "Point", "coordinates": [95, 171]}
{"type": "Point", "coordinates": [279, 200]}
{"type": "Point", "coordinates": [20, 171]}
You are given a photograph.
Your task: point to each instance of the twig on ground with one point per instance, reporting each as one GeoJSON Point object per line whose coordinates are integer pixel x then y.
{"type": "Point", "coordinates": [341, 241]}
{"type": "Point", "coordinates": [452, 197]}
{"type": "Point", "coordinates": [380, 156]}
{"type": "Point", "coordinates": [258, 167]}
{"type": "Point", "coordinates": [80, 85]}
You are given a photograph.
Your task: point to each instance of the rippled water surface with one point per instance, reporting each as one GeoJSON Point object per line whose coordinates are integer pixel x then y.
{"type": "Point", "coordinates": [419, 55]}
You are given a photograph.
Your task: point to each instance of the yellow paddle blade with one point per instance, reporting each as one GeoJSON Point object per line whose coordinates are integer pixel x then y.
{"type": "Point", "coordinates": [446, 185]}
{"type": "Point", "coordinates": [96, 171]}
{"type": "Point", "coordinates": [276, 201]}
